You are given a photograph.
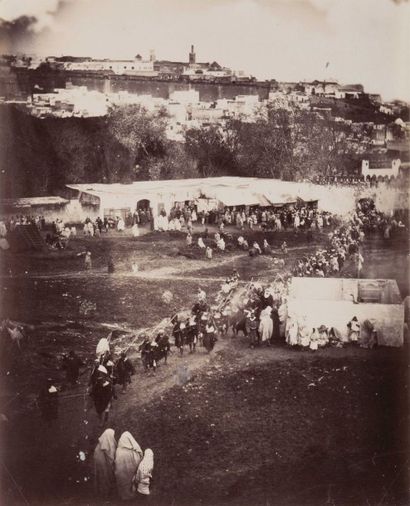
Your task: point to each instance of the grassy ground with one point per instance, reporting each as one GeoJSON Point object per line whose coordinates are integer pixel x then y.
{"type": "Point", "coordinates": [267, 426]}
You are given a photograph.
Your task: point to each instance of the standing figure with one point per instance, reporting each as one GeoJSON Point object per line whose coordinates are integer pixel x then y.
{"type": "Point", "coordinates": [314, 340]}
{"type": "Point", "coordinates": [87, 261]}
{"type": "Point", "coordinates": [121, 225]}
{"type": "Point", "coordinates": [266, 247]}
{"type": "Point", "coordinates": [266, 325]}
{"type": "Point", "coordinates": [252, 324]}
{"type": "Point", "coordinates": [292, 333]}
{"type": "Point", "coordinates": [102, 394]}
{"type": "Point", "coordinates": [127, 459]}
{"type": "Point", "coordinates": [104, 455]}
{"type": "Point", "coordinates": [354, 330]}
{"type": "Point", "coordinates": [143, 477]}
{"type": "Point", "coordinates": [275, 326]}
{"type": "Point", "coordinates": [209, 337]}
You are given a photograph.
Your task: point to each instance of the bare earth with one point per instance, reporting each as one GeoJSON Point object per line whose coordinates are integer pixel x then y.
{"type": "Point", "coordinates": [237, 427]}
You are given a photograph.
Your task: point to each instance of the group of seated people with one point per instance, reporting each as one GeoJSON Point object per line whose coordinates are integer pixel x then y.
{"type": "Point", "coordinates": [298, 334]}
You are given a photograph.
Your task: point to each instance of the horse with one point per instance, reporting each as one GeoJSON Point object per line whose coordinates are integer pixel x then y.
{"type": "Point", "coordinates": [178, 333]}
{"type": "Point", "coordinates": [209, 341]}
{"type": "Point", "coordinates": [190, 336]}
{"type": "Point", "coordinates": [153, 352]}
{"type": "Point", "coordinates": [238, 323]}
{"type": "Point", "coordinates": [162, 349]}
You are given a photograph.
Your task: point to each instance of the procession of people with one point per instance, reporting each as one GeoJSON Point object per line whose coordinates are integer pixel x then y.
{"type": "Point", "coordinates": [256, 311]}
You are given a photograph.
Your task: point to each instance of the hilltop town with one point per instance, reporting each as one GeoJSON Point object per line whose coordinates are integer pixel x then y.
{"type": "Point", "coordinates": [192, 97]}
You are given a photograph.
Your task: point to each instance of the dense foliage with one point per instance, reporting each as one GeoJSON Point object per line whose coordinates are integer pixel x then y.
{"type": "Point", "coordinates": [41, 156]}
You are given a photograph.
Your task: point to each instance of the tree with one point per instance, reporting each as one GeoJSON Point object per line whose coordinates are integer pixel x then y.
{"type": "Point", "coordinates": [262, 148]}
{"type": "Point", "coordinates": [209, 148]}
{"type": "Point", "coordinates": [142, 134]}
{"type": "Point", "coordinates": [175, 164]}
{"type": "Point", "coordinates": [322, 146]}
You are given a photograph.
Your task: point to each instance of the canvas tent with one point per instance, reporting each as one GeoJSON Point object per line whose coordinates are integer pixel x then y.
{"type": "Point", "coordinates": [233, 196]}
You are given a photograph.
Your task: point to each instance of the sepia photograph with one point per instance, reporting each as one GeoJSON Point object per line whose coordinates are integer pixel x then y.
{"type": "Point", "coordinates": [204, 252]}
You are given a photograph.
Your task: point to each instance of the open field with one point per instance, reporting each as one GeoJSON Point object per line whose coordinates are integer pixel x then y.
{"type": "Point", "coordinates": [267, 426]}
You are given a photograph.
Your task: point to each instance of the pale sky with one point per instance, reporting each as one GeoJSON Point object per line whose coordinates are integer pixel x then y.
{"type": "Point", "coordinates": [364, 41]}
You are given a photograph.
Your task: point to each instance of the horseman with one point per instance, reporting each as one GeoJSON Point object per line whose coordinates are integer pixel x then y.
{"type": "Point", "coordinates": [178, 334]}
{"type": "Point", "coordinates": [164, 346]}
{"type": "Point", "coordinates": [124, 370]}
{"type": "Point", "coordinates": [146, 352]}
{"type": "Point", "coordinates": [199, 308]}
{"type": "Point", "coordinates": [192, 332]}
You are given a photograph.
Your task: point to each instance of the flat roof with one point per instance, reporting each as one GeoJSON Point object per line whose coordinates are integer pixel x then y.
{"type": "Point", "coordinates": [33, 201]}
{"type": "Point", "coordinates": [231, 190]}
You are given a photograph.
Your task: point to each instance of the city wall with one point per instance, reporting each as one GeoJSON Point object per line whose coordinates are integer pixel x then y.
{"type": "Point", "coordinates": [23, 83]}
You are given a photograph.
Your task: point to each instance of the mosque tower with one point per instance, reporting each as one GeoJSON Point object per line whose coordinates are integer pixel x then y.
{"type": "Point", "coordinates": [192, 56]}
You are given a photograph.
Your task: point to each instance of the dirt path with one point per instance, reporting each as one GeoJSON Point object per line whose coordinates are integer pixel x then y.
{"type": "Point", "coordinates": [159, 273]}
{"type": "Point", "coordinates": [230, 354]}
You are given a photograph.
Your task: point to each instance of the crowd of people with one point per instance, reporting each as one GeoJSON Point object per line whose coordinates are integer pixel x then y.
{"type": "Point", "coordinates": [300, 216]}
{"type": "Point", "coordinates": [258, 310]}
{"type": "Point", "coordinates": [359, 181]}
{"type": "Point", "coordinates": [11, 222]}
{"type": "Point", "coordinates": [300, 219]}
{"type": "Point", "coordinates": [300, 336]}
{"type": "Point", "coordinates": [346, 240]}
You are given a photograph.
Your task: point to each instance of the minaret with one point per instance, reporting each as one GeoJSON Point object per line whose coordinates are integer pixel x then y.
{"type": "Point", "coordinates": [192, 56]}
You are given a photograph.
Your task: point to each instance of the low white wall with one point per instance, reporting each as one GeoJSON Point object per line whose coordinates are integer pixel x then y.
{"type": "Point", "coordinates": [335, 289]}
